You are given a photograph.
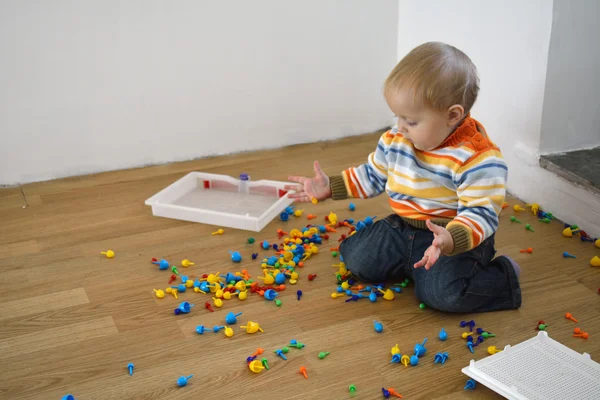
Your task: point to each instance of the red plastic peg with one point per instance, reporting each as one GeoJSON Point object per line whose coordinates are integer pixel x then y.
{"type": "Point", "coordinates": [570, 316]}
{"type": "Point", "coordinates": [311, 276]}
{"type": "Point", "coordinates": [172, 278]}
{"type": "Point", "coordinates": [208, 306]}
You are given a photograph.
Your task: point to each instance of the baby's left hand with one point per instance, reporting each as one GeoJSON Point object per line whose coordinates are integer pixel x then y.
{"type": "Point", "coordinates": [442, 244]}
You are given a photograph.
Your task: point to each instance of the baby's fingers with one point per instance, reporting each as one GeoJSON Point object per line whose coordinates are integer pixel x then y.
{"type": "Point", "coordinates": [422, 262]}
{"type": "Point", "coordinates": [295, 188]}
{"type": "Point", "coordinates": [299, 179]}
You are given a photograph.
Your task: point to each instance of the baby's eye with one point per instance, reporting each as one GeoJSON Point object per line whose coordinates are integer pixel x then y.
{"type": "Point", "coordinates": [411, 123]}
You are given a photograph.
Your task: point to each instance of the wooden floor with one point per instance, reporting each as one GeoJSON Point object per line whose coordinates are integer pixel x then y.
{"type": "Point", "coordinates": [72, 319]}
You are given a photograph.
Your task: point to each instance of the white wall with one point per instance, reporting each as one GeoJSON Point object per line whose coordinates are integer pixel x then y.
{"type": "Point", "coordinates": [571, 117]}
{"type": "Point", "coordinates": [508, 41]}
{"type": "Point", "coordinates": [96, 85]}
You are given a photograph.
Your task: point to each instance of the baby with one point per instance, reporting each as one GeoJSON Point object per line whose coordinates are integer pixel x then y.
{"type": "Point", "coordinates": [445, 180]}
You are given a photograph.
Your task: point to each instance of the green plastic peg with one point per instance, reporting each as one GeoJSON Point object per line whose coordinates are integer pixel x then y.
{"type": "Point", "coordinates": [250, 241]}
{"type": "Point", "coordinates": [422, 306]}
{"type": "Point", "coordinates": [544, 220]}
{"type": "Point", "coordinates": [514, 219]}
{"type": "Point", "coordinates": [265, 363]}
{"type": "Point", "coordinates": [174, 269]}
{"type": "Point", "coordinates": [323, 354]}
{"type": "Point", "coordinates": [352, 388]}
{"type": "Point", "coordinates": [529, 228]}
{"type": "Point", "coordinates": [278, 303]}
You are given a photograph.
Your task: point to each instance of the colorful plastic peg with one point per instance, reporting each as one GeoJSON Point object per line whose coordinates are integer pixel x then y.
{"type": "Point", "coordinates": [208, 306]}
{"type": "Point", "coordinates": [200, 329]}
{"type": "Point", "coordinates": [68, 397]}
{"type": "Point", "coordinates": [471, 324]}
{"type": "Point", "coordinates": [235, 256]}
{"type": "Point", "coordinates": [487, 335]}
{"type": "Point", "coordinates": [595, 261]}
{"type": "Point", "coordinates": [185, 307]}
{"type": "Point", "coordinates": [385, 393]}
{"type": "Point", "coordinates": [279, 352]}
{"type": "Point", "coordinates": [162, 264]}
{"type": "Point", "coordinates": [437, 358]}
{"type": "Point", "coordinates": [183, 380]}
{"type": "Point", "coordinates": [231, 318]}
{"type": "Point", "coordinates": [414, 360]}
{"type": "Point", "coordinates": [174, 270]}
{"type": "Point", "coordinates": [567, 255]}
{"type": "Point", "coordinates": [311, 276]}
{"type": "Point", "coordinates": [270, 294]}
{"type": "Point", "coordinates": [570, 316]}
{"type": "Point", "coordinates": [420, 349]}
{"type": "Point", "coordinates": [252, 327]}
{"type": "Point", "coordinates": [514, 219]}
{"type": "Point", "coordinates": [405, 360]}
{"type": "Point", "coordinates": [256, 366]}
{"type": "Point", "coordinates": [351, 207]}
{"type": "Point", "coordinates": [108, 253]}
{"type": "Point", "coordinates": [422, 306]}
{"type": "Point", "coordinates": [299, 294]}
{"type": "Point", "coordinates": [527, 250]}
{"type": "Point", "coordinates": [577, 332]}
{"type": "Point", "coordinates": [377, 326]}
{"type": "Point", "coordinates": [130, 368]}
{"type": "Point", "coordinates": [159, 293]}
{"type": "Point", "coordinates": [493, 350]}
{"type": "Point", "coordinates": [395, 350]}
{"type": "Point", "coordinates": [323, 354]}
{"type": "Point", "coordinates": [218, 302]}
{"type": "Point", "coordinates": [218, 232]}
{"type": "Point", "coordinates": [470, 385]}
{"type": "Point", "coordinates": [187, 263]}
{"type": "Point", "coordinates": [352, 388]}
{"type": "Point", "coordinates": [228, 331]}
{"type": "Point", "coordinates": [394, 393]}
{"type": "Point", "coordinates": [470, 346]}
{"type": "Point", "coordinates": [443, 335]}
{"type": "Point", "coordinates": [303, 372]}
{"type": "Point", "coordinates": [388, 294]}
{"type": "Point", "coordinates": [518, 208]}
{"type": "Point", "coordinates": [568, 232]}
{"type": "Point", "coordinates": [396, 358]}
{"type": "Point", "coordinates": [529, 228]}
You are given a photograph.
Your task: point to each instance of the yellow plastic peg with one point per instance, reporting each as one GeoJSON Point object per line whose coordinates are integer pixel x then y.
{"type": "Point", "coordinates": [395, 350]}
{"type": "Point", "coordinates": [172, 291]}
{"type": "Point", "coordinates": [197, 290]}
{"type": "Point", "coordinates": [345, 285]}
{"type": "Point", "coordinates": [388, 294]}
{"type": "Point", "coordinates": [243, 295]}
{"type": "Point", "coordinates": [493, 350]}
{"type": "Point", "coordinates": [227, 295]}
{"type": "Point", "coordinates": [336, 295]}
{"type": "Point", "coordinates": [256, 366]}
{"type": "Point", "coordinates": [241, 286]}
{"type": "Point", "coordinates": [518, 208]}
{"type": "Point", "coordinates": [159, 293]}
{"type": "Point", "coordinates": [269, 280]}
{"type": "Point", "coordinates": [108, 253]}
{"type": "Point", "coordinates": [187, 263]}
{"type": "Point", "coordinates": [218, 232]}
{"type": "Point", "coordinates": [298, 213]}
{"type": "Point", "coordinates": [595, 262]}
{"type": "Point", "coordinates": [228, 331]}
{"type": "Point", "coordinates": [535, 207]}
{"type": "Point", "coordinates": [332, 218]}
{"type": "Point", "coordinates": [465, 334]}
{"type": "Point", "coordinates": [597, 243]}
{"type": "Point", "coordinates": [219, 293]}
{"type": "Point", "coordinates": [405, 360]}
{"type": "Point", "coordinates": [567, 232]}
{"type": "Point", "coordinates": [218, 302]}
{"type": "Point", "coordinates": [252, 327]}
{"type": "Point", "coordinates": [189, 283]}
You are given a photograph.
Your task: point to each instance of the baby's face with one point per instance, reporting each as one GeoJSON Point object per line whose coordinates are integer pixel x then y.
{"type": "Point", "coordinates": [424, 127]}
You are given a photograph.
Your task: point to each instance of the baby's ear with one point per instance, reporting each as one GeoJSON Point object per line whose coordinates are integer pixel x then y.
{"type": "Point", "coordinates": [455, 114]}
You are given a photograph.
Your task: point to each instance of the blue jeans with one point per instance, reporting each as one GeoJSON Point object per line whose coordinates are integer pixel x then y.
{"type": "Point", "coordinates": [466, 282]}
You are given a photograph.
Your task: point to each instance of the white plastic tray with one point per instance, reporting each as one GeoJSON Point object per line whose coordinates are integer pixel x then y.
{"type": "Point", "coordinates": [221, 200]}
{"type": "Point", "coordinates": [538, 368]}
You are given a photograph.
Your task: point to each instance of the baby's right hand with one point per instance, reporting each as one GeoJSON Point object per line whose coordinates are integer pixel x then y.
{"type": "Point", "coordinates": [309, 188]}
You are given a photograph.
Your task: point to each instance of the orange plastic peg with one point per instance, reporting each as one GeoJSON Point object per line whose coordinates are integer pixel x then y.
{"type": "Point", "coordinates": [303, 372]}
{"type": "Point", "coordinates": [570, 316]}
{"type": "Point", "coordinates": [527, 250]}
{"type": "Point", "coordinates": [311, 216]}
{"type": "Point", "coordinates": [258, 351]}
{"type": "Point", "coordinates": [577, 330]}
{"type": "Point", "coordinates": [583, 335]}
{"type": "Point", "coordinates": [394, 393]}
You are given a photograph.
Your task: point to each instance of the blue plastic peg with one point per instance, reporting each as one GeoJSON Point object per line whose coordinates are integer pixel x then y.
{"type": "Point", "coordinates": [470, 385]}
{"type": "Point", "coordinates": [299, 294]}
{"type": "Point", "coordinates": [369, 220]}
{"type": "Point", "coordinates": [414, 360]}
{"type": "Point", "coordinates": [235, 256]}
{"type": "Point", "coordinates": [231, 318]}
{"type": "Point", "coordinates": [217, 328]}
{"type": "Point", "coordinates": [200, 329]}
{"type": "Point", "coordinates": [162, 264]}
{"type": "Point", "coordinates": [183, 380]}
{"type": "Point", "coordinates": [279, 352]}
{"type": "Point", "coordinates": [567, 255]}
{"type": "Point", "coordinates": [270, 294]}
{"type": "Point", "coordinates": [420, 349]}
{"type": "Point", "coordinates": [377, 326]}
{"type": "Point", "coordinates": [351, 207]}
{"type": "Point", "coordinates": [185, 307]}
{"type": "Point", "coordinates": [130, 368]}
{"type": "Point", "coordinates": [443, 335]}
{"type": "Point", "coordinates": [396, 358]}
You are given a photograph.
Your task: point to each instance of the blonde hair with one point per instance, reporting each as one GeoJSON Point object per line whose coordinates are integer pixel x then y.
{"type": "Point", "coordinates": [440, 75]}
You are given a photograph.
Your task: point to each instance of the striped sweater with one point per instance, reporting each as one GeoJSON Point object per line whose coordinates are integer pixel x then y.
{"type": "Point", "coordinates": [459, 185]}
